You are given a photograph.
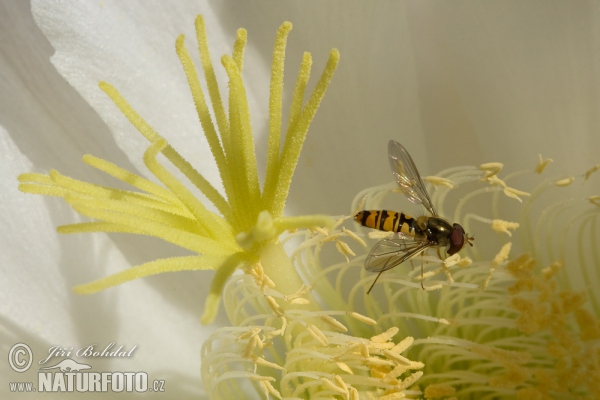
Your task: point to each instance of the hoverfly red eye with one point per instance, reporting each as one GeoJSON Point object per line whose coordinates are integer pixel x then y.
{"type": "Point", "coordinates": [457, 239]}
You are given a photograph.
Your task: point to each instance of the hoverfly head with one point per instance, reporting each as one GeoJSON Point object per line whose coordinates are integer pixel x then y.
{"type": "Point", "coordinates": [458, 239]}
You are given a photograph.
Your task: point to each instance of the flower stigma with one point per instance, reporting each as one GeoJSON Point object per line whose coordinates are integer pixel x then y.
{"type": "Point", "coordinates": [245, 231]}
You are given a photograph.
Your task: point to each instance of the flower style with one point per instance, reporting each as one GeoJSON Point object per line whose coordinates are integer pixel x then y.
{"type": "Point", "coordinates": [250, 220]}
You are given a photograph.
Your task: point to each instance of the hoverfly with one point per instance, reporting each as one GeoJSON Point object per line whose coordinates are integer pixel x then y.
{"type": "Point", "coordinates": [411, 236]}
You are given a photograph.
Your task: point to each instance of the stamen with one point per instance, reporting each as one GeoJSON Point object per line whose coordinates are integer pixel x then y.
{"type": "Point", "coordinates": [565, 182]}
{"type": "Point", "coordinates": [542, 164]}
{"type": "Point", "coordinates": [590, 171]}
{"type": "Point", "coordinates": [514, 193]}
{"type": "Point", "coordinates": [438, 181]}
{"type": "Point", "coordinates": [491, 168]}
{"type": "Point", "coordinates": [502, 226]}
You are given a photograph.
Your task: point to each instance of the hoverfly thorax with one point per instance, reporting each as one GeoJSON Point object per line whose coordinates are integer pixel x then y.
{"type": "Point", "coordinates": [438, 230]}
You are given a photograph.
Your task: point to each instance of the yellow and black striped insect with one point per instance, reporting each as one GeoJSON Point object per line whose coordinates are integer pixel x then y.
{"type": "Point", "coordinates": [410, 236]}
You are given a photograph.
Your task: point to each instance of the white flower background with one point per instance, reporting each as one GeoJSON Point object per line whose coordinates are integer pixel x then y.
{"type": "Point", "coordinates": [456, 82]}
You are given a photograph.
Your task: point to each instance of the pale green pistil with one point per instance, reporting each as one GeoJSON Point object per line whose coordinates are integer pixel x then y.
{"type": "Point", "coordinates": [250, 220]}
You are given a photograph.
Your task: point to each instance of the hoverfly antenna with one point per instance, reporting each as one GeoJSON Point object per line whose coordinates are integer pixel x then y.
{"type": "Point", "coordinates": [469, 239]}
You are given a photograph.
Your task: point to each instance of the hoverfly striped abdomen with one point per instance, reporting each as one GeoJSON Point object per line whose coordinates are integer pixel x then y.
{"type": "Point", "coordinates": [388, 221]}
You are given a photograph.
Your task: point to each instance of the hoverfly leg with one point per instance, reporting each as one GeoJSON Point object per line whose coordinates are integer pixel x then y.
{"type": "Point", "coordinates": [422, 287]}
{"type": "Point", "coordinates": [373, 284]}
{"type": "Point", "coordinates": [412, 266]}
{"type": "Point", "coordinates": [439, 254]}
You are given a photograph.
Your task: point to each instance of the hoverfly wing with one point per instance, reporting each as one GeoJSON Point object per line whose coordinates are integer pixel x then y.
{"type": "Point", "coordinates": [408, 177]}
{"type": "Point", "coordinates": [392, 251]}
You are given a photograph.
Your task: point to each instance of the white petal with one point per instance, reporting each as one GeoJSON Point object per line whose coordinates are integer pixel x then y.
{"type": "Point", "coordinates": [455, 84]}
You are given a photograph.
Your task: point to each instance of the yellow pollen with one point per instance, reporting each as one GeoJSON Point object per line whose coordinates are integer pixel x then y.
{"type": "Point", "coordinates": [385, 336]}
{"type": "Point", "coordinates": [334, 323]}
{"type": "Point", "coordinates": [514, 376]}
{"type": "Point", "coordinates": [438, 181]}
{"type": "Point", "coordinates": [362, 318]}
{"type": "Point", "coordinates": [491, 168]}
{"type": "Point", "coordinates": [502, 226]}
{"type": "Point", "coordinates": [495, 181]}
{"type": "Point", "coordinates": [514, 193]}
{"type": "Point", "coordinates": [565, 182]}
{"type": "Point", "coordinates": [502, 254]}
{"type": "Point", "coordinates": [317, 334]}
{"type": "Point", "coordinates": [542, 164]}
{"type": "Point", "coordinates": [590, 171]}
{"type": "Point", "coordinates": [439, 390]}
